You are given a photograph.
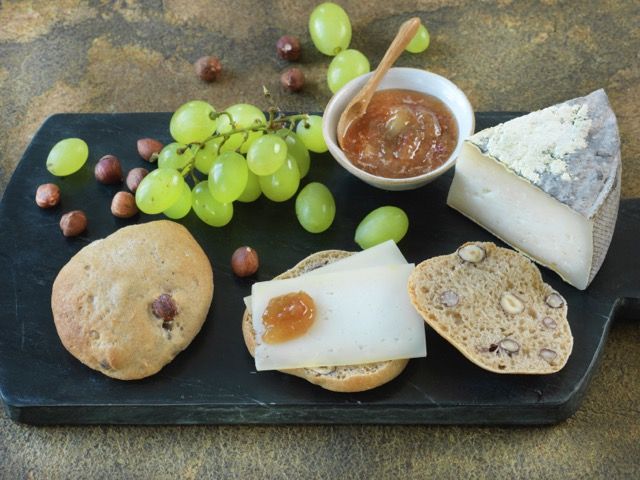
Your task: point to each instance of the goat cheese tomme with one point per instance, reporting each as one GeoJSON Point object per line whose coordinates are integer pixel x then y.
{"type": "Point", "coordinates": [548, 184]}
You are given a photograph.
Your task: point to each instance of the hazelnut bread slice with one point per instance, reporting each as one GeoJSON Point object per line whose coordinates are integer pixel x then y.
{"type": "Point", "coordinates": [492, 305]}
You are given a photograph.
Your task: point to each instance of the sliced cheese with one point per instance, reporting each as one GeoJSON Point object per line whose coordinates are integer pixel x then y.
{"type": "Point", "coordinates": [548, 184]}
{"type": "Point", "coordinates": [362, 316]}
{"type": "Point", "coordinates": [386, 253]}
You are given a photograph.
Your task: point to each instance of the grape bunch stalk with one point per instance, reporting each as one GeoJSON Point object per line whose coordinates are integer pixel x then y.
{"type": "Point", "coordinates": [243, 153]}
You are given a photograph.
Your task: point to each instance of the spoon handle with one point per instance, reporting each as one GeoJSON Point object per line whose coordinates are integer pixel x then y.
{"type": "Point", "coordinates": [358, 104]}
{"type": "Point", "coordinates": [405, 34]}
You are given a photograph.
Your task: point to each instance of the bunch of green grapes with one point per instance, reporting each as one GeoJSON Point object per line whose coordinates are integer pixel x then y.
{"type": "Point", "coordinates": [330, 30]}
{"type": "Point", "coordinates": [243, 155]}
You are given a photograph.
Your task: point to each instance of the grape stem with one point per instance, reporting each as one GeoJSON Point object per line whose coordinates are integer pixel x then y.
{"type": "Point", "coordinates": [216, 115]}
{"type": "Point", "coordinates": [275, 122]}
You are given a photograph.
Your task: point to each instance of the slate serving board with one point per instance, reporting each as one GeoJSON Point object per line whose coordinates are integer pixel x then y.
{"type": "Point", "coordinates": [214, 380]}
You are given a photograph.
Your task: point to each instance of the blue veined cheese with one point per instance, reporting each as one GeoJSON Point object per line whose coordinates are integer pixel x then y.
{"type": "Point", "coordinates": [548, 184]}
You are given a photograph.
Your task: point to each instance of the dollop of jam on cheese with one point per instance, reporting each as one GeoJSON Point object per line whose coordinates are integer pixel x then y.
{"type": "Point", "coordinates": [288, 317]}
{"type": "Point", "coordinates": [403, 134]}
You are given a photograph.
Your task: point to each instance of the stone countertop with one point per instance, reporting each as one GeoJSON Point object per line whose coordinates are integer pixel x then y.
{"type": "Point", "coordinates": [125, 55]}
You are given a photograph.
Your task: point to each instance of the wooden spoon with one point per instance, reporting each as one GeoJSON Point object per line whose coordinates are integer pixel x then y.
{"type": "Point", "coordinates": [357, 107]}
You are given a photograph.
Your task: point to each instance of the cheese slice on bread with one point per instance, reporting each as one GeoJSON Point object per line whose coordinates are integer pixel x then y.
{"type": "Point", "coordinates": [344, 378]}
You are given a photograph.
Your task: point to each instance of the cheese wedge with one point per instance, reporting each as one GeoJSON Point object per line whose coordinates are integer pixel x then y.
{"type": "Point", "coordinates": [548, 184]}
{"type": "Point", "coordinates": [362, 316]}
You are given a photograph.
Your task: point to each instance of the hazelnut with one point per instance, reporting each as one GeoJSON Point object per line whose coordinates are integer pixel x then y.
{"type": "Point", "coordinates": [48, 195]}
{"type": "Point", "coordinates": [73, 223]}
{"type": "Point", "coordinates": [292, 80]}
{"type": "Point", "coordinates": [135, 176]}
{"type": "Point", "coordinates": [208, 68]}
{"type": "Point", "coordinates": [245, 262]}
{"type": "Point", "coordinates": [449, 298]}
{"type": "Point", "coordinates": [108, 170]}
{"type": "Point", "coordinates": [547, 355]}
{"type": "Point", "coordinates": [124, 205]}
{"type": "Point", "coordinates": [511, 304]}
{"type": "Point", "coordinates": [554, 300]}
{"type": "Point", "coordinates": [165, 308]}
{"type": "Point", "coordinates": [149, 148]}
{"type": "Point", "coordinates": [508, 345]}
{"type": "Point", "coordinates": [472, 253]}
{"type": "Point", "coordinates": [288, 48]}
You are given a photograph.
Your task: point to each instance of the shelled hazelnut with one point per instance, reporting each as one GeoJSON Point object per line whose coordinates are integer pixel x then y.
{"type": "Point", "coordinates": [292, 79]}
{"type": "Point", "coordinates": [288, 48]}
{"type": "Point", "coordinates": [245, 262]}
{"type": "Point", "coordinates": [208, 68]}
{"type": "Point", "coordinates": [124, 205]}
{"type": "Point", "coordinates": [135, 176]}
{"type": "Point", "coordinates": [73, 223]}
{"type": "Point", "coordinates": [48, 195]}
{"type": "Point", "coordinates": [148, 148]}
{"type": "Point", "coordinates": [108, 170]}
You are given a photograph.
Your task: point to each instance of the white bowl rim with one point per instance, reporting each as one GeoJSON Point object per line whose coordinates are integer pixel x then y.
{"type": "Point", "coordinates": [346, 163]}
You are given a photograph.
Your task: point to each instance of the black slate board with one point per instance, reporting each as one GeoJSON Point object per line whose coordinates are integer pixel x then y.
{"type": "Point", "coordinates": [214, 380]}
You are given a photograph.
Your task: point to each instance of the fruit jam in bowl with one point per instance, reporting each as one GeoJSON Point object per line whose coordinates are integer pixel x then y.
{"type": "Point", "coordinates": [411, 134]}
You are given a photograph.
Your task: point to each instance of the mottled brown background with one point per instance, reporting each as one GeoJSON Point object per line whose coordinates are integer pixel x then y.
{"type": "Point", "coordinates": [118, 56]}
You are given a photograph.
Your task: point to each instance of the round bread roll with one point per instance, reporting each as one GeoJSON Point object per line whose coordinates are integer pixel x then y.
{"type": "Point", "coordinates": [126, 305]}
{"type": "Point", "coordinates": [345, 378]}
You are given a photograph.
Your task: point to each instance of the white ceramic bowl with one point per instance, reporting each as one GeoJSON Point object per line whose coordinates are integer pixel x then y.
{"type": "Point", "coordinates": [409, 79]}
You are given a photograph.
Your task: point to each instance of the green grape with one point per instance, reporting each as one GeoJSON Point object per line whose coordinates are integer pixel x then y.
{"type": "Point", "coordinates": [252, 191]}
{"type": "Point", "coordinates": [175, 155]}
{"type": "Point", "coordinates": [267, 154]}
{"type": "Point", "coordinates": [346, 66]}
{"type": "Point", "coordinates": [182, 206]}
{"type": "Point", "coordinates": [192, 122]}
{"type": "Point", "coordinates": [330, 28]}
{"type": "Point", "coordinates": [315, 208]}
{"type": "Point", "coordinates": [244, 116]}
{"type": "Point", "coordinates": [208, 209]}
{"type": "Point", "coordinates": [310, 132]}
{"type": "Point", "coordinates": [384, 223]}
{"type": "Point", "coordinates": [297, 150]}
{"type": "Point", "coordinates": [283, 184]}
{"type": "Point", "coordinates": [228, 177]}
{"type": "Point", "coordinates": [67, 157]}
{"type": "Point", "coordinates": [206, 155]}
{"type": "Point", "coordinates": [420, 41]}
{"type": "Point", "coordinates": [159, 190]}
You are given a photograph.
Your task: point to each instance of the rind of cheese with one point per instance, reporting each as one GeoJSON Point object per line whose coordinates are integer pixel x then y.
{"type": "Point", "coordinates": [362, 316]}
{"type": "Point", "coordinates": [570, 151]}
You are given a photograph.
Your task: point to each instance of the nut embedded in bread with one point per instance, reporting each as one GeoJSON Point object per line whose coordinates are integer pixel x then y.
{"type": "Point", "coordinates": [492, 305]}
{"type": "Point", "coordinates": [346, 378]}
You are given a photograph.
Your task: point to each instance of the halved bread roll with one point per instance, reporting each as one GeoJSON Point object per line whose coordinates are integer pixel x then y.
{"type": "Point", "coordinates": [492, 305]}
{"type": "Point", "coordinates": [346, 378]}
